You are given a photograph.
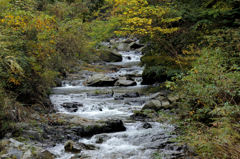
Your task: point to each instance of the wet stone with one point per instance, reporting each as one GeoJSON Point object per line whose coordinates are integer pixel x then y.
{"type": "Point", "coordinates": [72, 107]}
{"type": "Point", "coordinates": [127, 95]}
{"type": "Point", "coordinates": [107, 127]}
{"type": "Point", "coordinates": [147, 126]}
{"type": "Point", "coordinates": [139, 116]}
{"type": "Point", "coordinates": [71, 146]}
{"type": "Point", "coordinates": [125, 83]}
{"type": "Point", "coordinates": [101, 138]}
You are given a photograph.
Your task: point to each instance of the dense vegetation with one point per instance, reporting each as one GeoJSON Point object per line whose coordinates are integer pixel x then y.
{"type": "Point", "coordinates": [39, 41]}
{"type": "Point", "coordinates": [192, 46]}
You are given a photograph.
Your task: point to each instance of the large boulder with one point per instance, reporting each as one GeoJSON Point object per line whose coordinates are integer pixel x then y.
{"type": "Point", "coordinates": [106, 127]}
{"type": "Point", "coordinates": [125, 83]}
{"type": "Point", "coordinates": [134, 46]}
{"type": "Point", "coordinates": [100, 80]}
{"type": "Point", "coordinates": [111, 56]}
{"type": "Point", "coordinates": [157, 105]}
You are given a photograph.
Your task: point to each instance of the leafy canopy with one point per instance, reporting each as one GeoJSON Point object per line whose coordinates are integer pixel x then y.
{"type": "Point", "coordinates": [138, 17]}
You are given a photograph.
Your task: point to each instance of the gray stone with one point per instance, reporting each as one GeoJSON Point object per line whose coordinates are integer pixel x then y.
{"type": "Point", "coordinates": [15, 153]}
{"type": "Point", "coordinates": [113, 41]}
{"type": "Point", "coordinates": [123, 47]}
{"type": "Point", "coordinates": [100, 80]}
{"type": "Point", "coordinates": [110, 56]}
{"type": "Point", "coordinates": [71, 146]}
{"type": "Point", "coordinates": [157, 105]}
{"type": "Point", "coordinates": [72, 107]}
{"type": "Point", "coordinates": [27, 155]}
{"type": "Point", "coordinates": [125, 83]}
{"type": "Point", "coordinates": [135, 46]}
{"type": "Point", "coordinates": [105, 127]}
{"type": "Point", "coordinates": [101, 138]}
{"type": "Point", "coordinates": [173, 98]}
{"type": "Point", "coordinates": [45, 155]}
{"type": "Point", "coordinates": [128, 41]}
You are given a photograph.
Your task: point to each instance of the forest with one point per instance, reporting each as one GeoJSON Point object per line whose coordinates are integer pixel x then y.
{"type": "Point", "coordinates": [192, 49]}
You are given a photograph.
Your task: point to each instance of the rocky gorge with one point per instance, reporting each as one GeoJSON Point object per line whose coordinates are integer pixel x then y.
{"type": "Point", "coordinates": [106, 115]}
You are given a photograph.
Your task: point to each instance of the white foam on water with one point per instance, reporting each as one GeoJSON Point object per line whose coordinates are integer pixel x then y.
{"type": "Point", "coordinates": [124, 145]}
{"type": "Point", "coordinates": [98, 108]}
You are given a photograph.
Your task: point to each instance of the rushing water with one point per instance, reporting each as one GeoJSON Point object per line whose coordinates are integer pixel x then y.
{"type": "Point", "coordinates": [99, 103]}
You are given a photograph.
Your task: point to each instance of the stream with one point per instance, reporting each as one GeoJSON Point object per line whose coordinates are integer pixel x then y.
{"type": "Point", "coordinates": [141, 140]}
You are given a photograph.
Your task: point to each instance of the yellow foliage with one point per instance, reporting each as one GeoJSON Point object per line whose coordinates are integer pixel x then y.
{"type": "Point", "coordinates": [45, 27]}
{"type": "Point", "coordinates": [24, 23]}
{"type": "Point", "coordinates": [13, 81]}
{"type": "Point", "coordinates": [138, 17]}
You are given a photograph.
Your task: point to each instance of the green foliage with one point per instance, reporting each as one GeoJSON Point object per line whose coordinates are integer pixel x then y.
{"type": "Point", "coordinates": [100, 30]}
{"type": "Point", "coordinates": [210, 85]}
{"type": "Point", "coordinates": [36, 46]}
{"type": "Point", "coordinates": [210, 96]}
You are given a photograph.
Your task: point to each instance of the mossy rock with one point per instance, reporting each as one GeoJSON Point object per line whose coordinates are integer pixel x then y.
{"type": "Point", "coordinates": [110, 56]}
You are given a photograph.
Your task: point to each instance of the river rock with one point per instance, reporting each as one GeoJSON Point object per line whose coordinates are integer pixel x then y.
{"type": "Point", "coordinates": [118, 98]}
{"type": "Point", "coordinates": [75, 83]}
{"type": "Point", "coordinates": [147, 126]}
{"type": "Point", "coordinates": [71, 146]}
{"type": "Point", "coordinates": [139, 116]}
{"type": "Point", "coordinates": [157, 105]}
{"type": "Point", "coordinates": [13, 153]}
{"type": "Point", "coordinates": [131, 95]}
{"type": "Point", "coordinates": [122, 46]}
{"type": "Point", "coordinates": [107, 127]}
{"type": "Point", "coordinates": [153, 105]}
{"type": "Point", "coordinates": [158, 95]}
{"type": "Point", "coordinates": [127, 95]}
{"type": "Point", "coordinates": [112, 41]}
{"type": "Point", "coordinates": [135, 46]}
{"type": "Point", "coordinates": [125, 83]}
{"type": "Point", "coordinates": [173, 98]}
{"type": "Point", "coordinates": [128, 41]}
{"type": "Point", "coordinates": [101, 138]}
{"type": "Point", "coordinates": [45, 155]}
{"type": "Point", "coordinates": [72, 107]}
{"type": "Point", "coordinates": [111, 56]}
{"type": "Point", "coordinates": [100, 80]}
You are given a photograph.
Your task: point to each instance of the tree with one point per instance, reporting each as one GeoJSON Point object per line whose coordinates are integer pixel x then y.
{"type": "Point", "coordinates": [140, 18]}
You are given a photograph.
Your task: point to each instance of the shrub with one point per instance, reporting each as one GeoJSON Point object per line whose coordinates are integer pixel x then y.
{"type": "Point", "coordinates": [210, 98]}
